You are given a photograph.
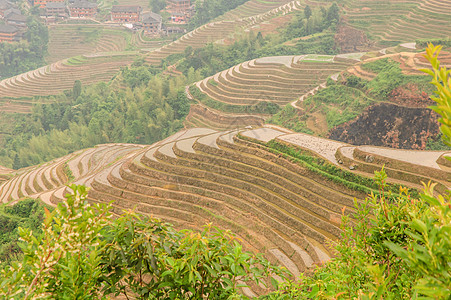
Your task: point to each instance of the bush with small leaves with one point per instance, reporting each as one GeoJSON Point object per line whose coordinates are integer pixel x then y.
{"type": "Point", "coordinates": [83, 253]}
{"type": "Point", "coordinates": [63, 262]}
{"type": "Point", "coordinates": [148, 259]}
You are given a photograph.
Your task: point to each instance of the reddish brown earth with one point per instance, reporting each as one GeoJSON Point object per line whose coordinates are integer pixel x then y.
{"type": "Point", "coordinates": [349, 39]}
{"type": "Point", "coordinates": [272, 26]}
{"type": "Point", "coordinates": [409, 95]}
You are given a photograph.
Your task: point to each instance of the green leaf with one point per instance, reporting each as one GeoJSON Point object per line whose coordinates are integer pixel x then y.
{"type": "Point", "coordinates": [274, 283]}
{"type": "Point", "coordinates": [165, 284]}
{"type": "Point", "coordinates": [419, 225]}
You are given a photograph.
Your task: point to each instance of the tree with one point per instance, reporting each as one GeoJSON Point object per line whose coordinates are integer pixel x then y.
{"type": "Point", "coordinates": [429, 253]}
{"type": "Point", "coordinates": [63, 262]}
{"type": "Point", "coordinates": [76, 91]}
{"type": "Point", "coordinates": [307, 11]}
{"type": "Point", "coordinates": [441, 79]}
{"type": "Point", "coordinates": [333, 14]}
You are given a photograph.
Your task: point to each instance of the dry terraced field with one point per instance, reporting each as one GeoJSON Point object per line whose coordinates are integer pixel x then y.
{"type": "Point", "coordinates": [410, 63]}
{"type": "Point", "coordinates": [401, 20]}
{"type": "Point", "coordinates": [91, 68]}
{"type": "Point", "coordinates": [218, 31]}
{"type": "Point", "coordinates": [276, 205]}
{"type": "Point", "coordinates": [72, 40]}
{"type": "Point", "coordinates": [50, 178]}
{"type": "Point", "coordinates": [253, 8]}
{"type": "Point", "coordinates": [279, 80]}
{"type": "Point", "coordinates": [60, 76]}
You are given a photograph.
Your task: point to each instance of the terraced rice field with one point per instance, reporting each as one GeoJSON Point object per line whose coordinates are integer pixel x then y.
{"type": "Point", "coordinates": [107, 4]}
{"type": "Point", "coordinates": [201, 175]}
{"type": "Point", "coordinates": [60, 76]}
{"type": "Point", "coordinates": [45, 180]}
{"type": "Point", "coordinates": [276, 205]}
{"type": "Point", "coordinates": [72, 40]}
{"type": "Point", "coordinates": [401, 20]}
{"type": "Point", "coordinates": [102, 66]}
{"type": "Point", "coordinates": [252, 8]}
{"type": "Point", "coordinates": [137, 41]}
{"type": "Point", "coordinates": [217, 31]}
{"type": "Point", "coordinates": [279, 80]}
{"type": "Point", "coordinates": [203, 116]}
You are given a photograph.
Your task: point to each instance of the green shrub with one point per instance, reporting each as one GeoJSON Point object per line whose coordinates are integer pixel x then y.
{"type": "Point", "coordinates": [27, 213]}
{"type": "Point", "coordinates": [83, 253]}
{"type": "Point", "coordinates": [394, 249]}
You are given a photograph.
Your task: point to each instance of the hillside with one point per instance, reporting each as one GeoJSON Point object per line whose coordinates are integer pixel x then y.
{"type": "Point", "coordinates": [250, 88]}
{"type": "Point", "coordinates": [394, 21]}
{"type": "Point", "coordinates": [95, 40]}
{"type": "Point", "coordinates": [59, 76]}
{"type": "Point", "coordinates": [300, 128]}
{"type": "Point", "coordinates": [88, 39]}
{"type": "Point", "coordinates": [278, 191]}
{"type": "Point", "coordinates": [388, 90]}
{"type": "Point", "coordinates": [402, 119]}
{"type": "Point", "coordinates": [291, 91]}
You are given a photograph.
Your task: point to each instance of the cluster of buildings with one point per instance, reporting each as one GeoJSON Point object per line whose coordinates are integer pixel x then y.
{"type": "Point", "coordinates": [12, 22]}
{"type": "Point", "coordinates": [152, 23]}
{"type": "Point", "coordinates": [59, 9]}
{"type": "Point", "coordinates": [53, 10]}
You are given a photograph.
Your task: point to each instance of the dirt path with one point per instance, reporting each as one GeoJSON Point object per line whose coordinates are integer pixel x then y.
{"type": "Point", "coordinates": [323, 147]}
{"type": "Point", "coordinates": [422, 158]}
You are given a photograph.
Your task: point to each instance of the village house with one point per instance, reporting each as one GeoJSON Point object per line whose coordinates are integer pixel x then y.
{"type": "Point", "coordinates": [180, 10]}
{"type": "Point", "coordinates": [8, 33]}
{"type": "Point", "coordinates": [4, 6]}
{"type": "Point", "coordinates": [14, 17]}
{"type": "Point", "coordinates": [55, 9]}
{"type": "Point", "coordinates": [178, 17]}
{"type": "Point", "coordinates": [83, 9]}
{"type": "Point", "coordinates": [125, 13]}
{"type": "Point", "coordinates": [173, 30]}
{"type": "Point", "coordinates": [151, 23]}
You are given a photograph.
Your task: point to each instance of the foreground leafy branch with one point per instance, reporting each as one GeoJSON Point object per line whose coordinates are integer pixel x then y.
{"type": "Point", "coordinates": [83, 253]}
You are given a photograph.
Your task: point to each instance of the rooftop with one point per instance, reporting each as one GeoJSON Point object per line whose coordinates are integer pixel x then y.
{"type": "Point", "coordinates": [126, 8]}
{"type": "Point", "coordinates": [15, 17]}
{"type": "Point", "coordinates": [151, 17]}
{"type": "Point", "coordinates": [83, 4]}
{"type": "Point", "coordinates": [8, 28]}
{"type": "Point", "coordinates": [55, 5]}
